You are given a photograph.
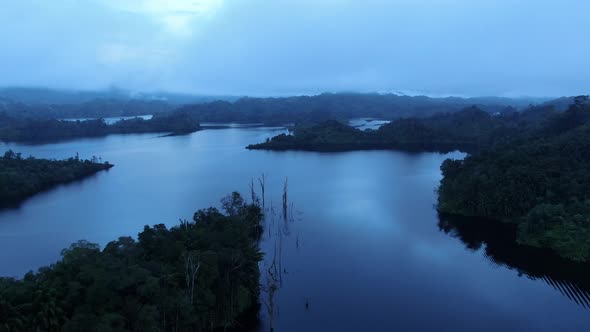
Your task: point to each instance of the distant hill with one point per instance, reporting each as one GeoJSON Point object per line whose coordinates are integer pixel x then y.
{"type": "Point", "coordinates": [45, 96]}
{"type": "Point", "coordinates": [561, 104]}
{"type": "Point", "coordinates": [539, 180]}
{"type": "Point", "coordinates": [47, 103]}
{"type": "Point", "coordinates": [341, 106]}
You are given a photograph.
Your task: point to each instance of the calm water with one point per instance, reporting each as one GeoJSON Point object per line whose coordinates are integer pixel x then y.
{"type": "Point", "coordinates": [367, 123]}
{"type": "Point", "coordinates": [363, 246]}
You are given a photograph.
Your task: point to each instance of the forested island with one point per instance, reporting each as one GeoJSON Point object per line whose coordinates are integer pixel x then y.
{"type": "Point", "coordinates": [39, 130]}
{"type": "Point", "coordinates": [540, 181]}
{"type": "Point", "coordinates": [197, 276]}
{"type": "Point", "coordinates": [469, 130]}
{"type": "Point", "coordinates": [21, 177]}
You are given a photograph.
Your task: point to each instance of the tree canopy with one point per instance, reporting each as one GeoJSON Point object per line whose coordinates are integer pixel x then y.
{"type": "Point", "coordinates": [539, 180]}
{"type": "Point", "coordinates": [21, 177]}
{"type": "Point", "coordinates": [470, 129]}
{"type": "Point", "coordinates": [196, 276]}
{"type": "Point", "coordinates": [36, 130]}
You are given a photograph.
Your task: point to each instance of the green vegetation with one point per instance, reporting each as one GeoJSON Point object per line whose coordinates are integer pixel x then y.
{"type": "Point", "coordinates": [468, 130]}
{"type": "Point", "coordinates": [335, 106]}
{"type": "Point", "coordinates": [541, 181]}
{"type": "Point", "coordinates": [17, 129]}
{"type": "Point", "coordinates": [21, 178]}
{"type": "Point", "coordinates": [42, 106]}
{"type": "Point", "coordinates": [197, 276]}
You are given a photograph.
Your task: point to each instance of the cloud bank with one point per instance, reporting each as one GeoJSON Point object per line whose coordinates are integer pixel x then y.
{"type": "Point", "coordinates": [259, 47]}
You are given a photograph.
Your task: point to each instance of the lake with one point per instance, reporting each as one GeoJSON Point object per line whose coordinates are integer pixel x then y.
{"type": "Point", "coordinates": [362, 249]}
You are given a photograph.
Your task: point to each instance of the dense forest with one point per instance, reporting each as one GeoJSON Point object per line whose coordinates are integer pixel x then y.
{"type": "Point", "coordinates": [35, 130]}
{"type": "Point", "coordinates": [196, 276]}
{"type": "Point", "coordinates": [337, 106]}
{"type": "Point", "coordinates": [51, 104]}
{"type": "Point", "coordinates": [24, 111]}
{"type": "Point", "coordinates": [60, 97]}
{"type": "Point", "coordinates": [539, 180]}
{"type": "Point", "coordinates": [470, 130]}
{"type": "Point", "coordinates": [21, 177]}
{"type": "Point", "coordinates": [97, 108]}
{"type": "Point", "coordinates": [45, 103]}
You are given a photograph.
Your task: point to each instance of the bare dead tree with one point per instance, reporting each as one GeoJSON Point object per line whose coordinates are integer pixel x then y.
{"type": "Point", "coordinates": [192, 266]}
{"type": "Point", "coordinates": [280, 257]}
{"type": "Point", "coordinates": [278, 227]}
{"type": "Point", "coordinates": [262, 181]}
{"type": "Point", "coordinates": [252, 191]}
{"type": "Point", "coordinates": [272, 285]}
{"type": "Point", "coordinates": [285, 201]}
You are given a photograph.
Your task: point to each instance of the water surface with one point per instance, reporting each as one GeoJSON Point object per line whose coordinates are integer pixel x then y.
{"type": "Point", "coordinates": [363, 245]}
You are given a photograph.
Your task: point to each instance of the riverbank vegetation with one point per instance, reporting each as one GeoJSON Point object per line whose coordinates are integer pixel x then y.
{"type": "Point", "coordinates": [21, 177]}
{"type": "Point", "coordinates": [540, 181]}
{"type": "Point", "coordinates": [35, 130]}
{"type": "Point", "coordinates": [196, 276]}
{"type": "Point", "coordinates": [497, 242]}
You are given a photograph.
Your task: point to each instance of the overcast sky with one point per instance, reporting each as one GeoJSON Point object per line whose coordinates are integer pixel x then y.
{"type": "Point", "coordinates": [274, 47]}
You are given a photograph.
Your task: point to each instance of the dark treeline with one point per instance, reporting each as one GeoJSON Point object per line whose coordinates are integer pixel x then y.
{"type": "Point", "coordinates": [45, 103]}
{"type": "Point", "coordinates": [470, 129]}
{"type": "Point", "coordinates": [571, 279]}
{"type": "Point", "coordinates": [340, 106]}
{"type": "Point", "coordinates": [540, 180]}
{"type": "Point", "coordinates": [17, 117]}
{"type": "Point", "coordinates": [21, 178]}
{"type": "Point", "coordinates": [197, 276]}
{"type": "Point", "coordinates": [97, 108]}
{"type": "Point", "coordinates": [35, 130]}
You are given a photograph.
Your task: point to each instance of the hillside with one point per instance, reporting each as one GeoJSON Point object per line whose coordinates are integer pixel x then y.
{"type": "Point", "coordinates": [539, 181]}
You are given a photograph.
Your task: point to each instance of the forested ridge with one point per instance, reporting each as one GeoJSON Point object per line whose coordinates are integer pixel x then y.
{"type": "Point", "coordinates": [36, 130]}
{"type": "Point", "coordinates": [196, 276]}
{"type": "Point", "coordinates": [95, 108]}
{"type": "Point", "coordinates": [470, 130]}
{"type": "Point", "coordinates": [38, 119]}
{"type": "Point", "coordinates": [336, 106]}
{"type": "Point", "coordinates": [21, 177]}
{"type": "Point", "coordinates": [539, 180]}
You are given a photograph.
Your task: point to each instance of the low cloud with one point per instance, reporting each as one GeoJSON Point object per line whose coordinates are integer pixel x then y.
{"type": "Point", "coordinates": [261, 47]}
